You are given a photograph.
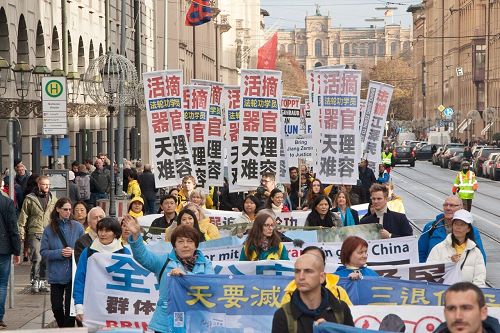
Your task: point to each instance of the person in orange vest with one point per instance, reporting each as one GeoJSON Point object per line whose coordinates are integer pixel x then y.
{"type": "Point", "coordinates": [465, 185]}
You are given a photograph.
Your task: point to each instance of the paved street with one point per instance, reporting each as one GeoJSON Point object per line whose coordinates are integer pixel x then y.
{"type": "Point", "coordinates": [424, 188]}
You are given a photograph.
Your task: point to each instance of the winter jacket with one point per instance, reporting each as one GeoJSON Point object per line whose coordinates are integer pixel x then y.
{"type": "Point", "coordinates": [396, 223]}
{"type": "Point", "coordinates": [343, 271]}
{"type": "Point", "coordinates": [472, 265]}
{"type": "Point", "coordinates": [331, 283]}
{"type": "Point", "coordinates": [74, 194]}
{"type": "Point", "coordinates": [9, 233]}
{"type": "Point", "coordinates": [243, 219]}
{"type": "Point", "coordinates": [147, 184]}
{"type": "Point", "coordinates": [490, 325]}
{"type": "Point", "coordinates": [81, 244]}
{"type": "Point", "coordinates": [396, 205]}
{"type": "Point", "coordinates": [134, 190]}
{"type": "Point", "coordinates": [428, 239]}
{"type": "Point", "coordinates": [59, 267]}
{"type": "Point", "coordinates": [32, 215]}
{"type": "Point", "coordinates": [383, 177]}
{"type": "Point", "coordinates": [367, 177]}
{"type": "Point", "coordinates": [100, 181]}
{"type": "Point", "coordinates": [155, 263]}
{"type": "Point", "coordinates": [272, 253]}
{"type": "Point", "coordinates": [209, 229]}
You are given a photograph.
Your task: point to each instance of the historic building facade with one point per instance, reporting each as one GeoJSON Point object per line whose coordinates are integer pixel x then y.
{"type": "Point", "coordinates": [457, 56]}
{"type": "Point", "coordinates": [321, 44]}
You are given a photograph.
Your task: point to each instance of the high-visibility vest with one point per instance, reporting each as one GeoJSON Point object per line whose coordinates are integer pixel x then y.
{"type": "Point", "coordinates": [386, 158]}
{"type": "Point", "coordinates": [466, 183]}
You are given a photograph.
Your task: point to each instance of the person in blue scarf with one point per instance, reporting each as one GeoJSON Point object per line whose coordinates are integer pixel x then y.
{"type": "Point", "coordinates": [342, 206]}
{"type": "Point", "coordinates": [353, 256]}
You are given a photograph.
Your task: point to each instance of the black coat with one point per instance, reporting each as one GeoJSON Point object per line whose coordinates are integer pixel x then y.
{"type": "Point", "coordinates": [305, 323]}
{"type": "Point", "coordinates": [396, 223]}
{"type": "Point", "coordinates": [80, 244]}
{"type": "Point", "coordinates": [367, 177]}
{"type": "Point", "coordinates": [354, 213]}
{"type": "Point", "coordinates": [10, 242]}
{"type": "Point", "coordinates": [147, 183]}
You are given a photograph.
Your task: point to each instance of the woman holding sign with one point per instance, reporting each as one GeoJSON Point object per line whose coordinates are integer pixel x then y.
{"type": "Point", "coordinates": [353, 256]}
{"type": "Point", "coordinates": [184, 259]}
{"type": "Point", "coordinates": [263, 241]}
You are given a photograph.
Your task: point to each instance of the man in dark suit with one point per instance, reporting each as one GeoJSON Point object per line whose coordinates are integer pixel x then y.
{"type": "Point", "coordinates": [395, 224]}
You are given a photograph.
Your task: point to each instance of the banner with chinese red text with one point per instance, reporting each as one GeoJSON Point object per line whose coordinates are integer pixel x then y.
{"type": "Point", "coordinates": [169, 150]}
{"type": "Point", "coordinates": [260, 126]}
{"type": "Point", "coordinates": [215, 171]}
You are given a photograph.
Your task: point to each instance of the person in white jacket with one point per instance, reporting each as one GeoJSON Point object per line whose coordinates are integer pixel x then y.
{"type": "Point", "coordinates": [459, 247]}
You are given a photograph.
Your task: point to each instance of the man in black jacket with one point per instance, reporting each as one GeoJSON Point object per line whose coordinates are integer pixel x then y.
{"type": "Point", "coordinates": [311, 303]}
{"type": "Point", "coordinates": [148, 189]}
{"type": "Point", "coordinates": [10, 244]}
{"type": "Point", "coordinates": [394, 224]}
{"type": "Point", "coordinates": [366, 179]}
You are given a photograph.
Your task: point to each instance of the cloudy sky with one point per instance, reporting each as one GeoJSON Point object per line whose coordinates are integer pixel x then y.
{"type": "Point", "coordinates": [346, 13]}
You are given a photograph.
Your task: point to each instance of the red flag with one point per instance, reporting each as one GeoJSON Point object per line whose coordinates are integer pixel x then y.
{"type": "Point", "coordinates": [198, 13]}
{"type": "Point", "coordinates": [268, 53]}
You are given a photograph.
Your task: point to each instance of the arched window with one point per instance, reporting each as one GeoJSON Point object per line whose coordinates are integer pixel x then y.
{"type": "Point", "coordinates": [40, 46]}
{"type": "Point", "coordinates": [4, 36]}
{"type": "Point", "coordinates": [394, 48]}
{"type": "Point", "coordinates": [55, 57]}
{"type": "Point", "coordinates": [318, 64]}
{"type": "Point", "coordinates": [381, 48]}
{"type": "Point", "coordinates": [335, 49]}
{"type": "Point", "coordinates": [70, 53]}
{"type": "Point", "coordinates": [318, 48]}
{"type": "Point", "coordinates": [347, 49]}
{"type": "Point", "coordinates": [91, 51]}
{"type": "Point", "coordinates": [406, 45]}
{"type": "Point", "coordinates": [81, 56]}
{"type": "Point", "coordinates": [370, 49]}
{"type": "Point", "coordinates": [22, 41]}
{"type": "Point", "coordinates": [302, 50]}
{"type": "Point", "coordinates": [355, 49]}
{"type": "Point", "coordinates": [291, 49]}
{"type": "Point", "coordinates": [362, 50]}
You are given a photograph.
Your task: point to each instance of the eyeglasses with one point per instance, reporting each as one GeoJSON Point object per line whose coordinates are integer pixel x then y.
{"type": "Point", "coordinates": [269, 226]}
{"type": "Point", "coordinates": [66, 209]}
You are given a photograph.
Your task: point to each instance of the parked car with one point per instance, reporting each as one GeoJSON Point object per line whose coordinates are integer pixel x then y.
{"type": "Point", "coordinates": [496, 170]}
{"type": "Point", "coordinates": [424, 153]}
{"type": "Point", "coordinates": [403, 155]}
{"type": "Point", "coordinates": [453, 145]}
{"type": "Point", "coordinates": [455, 161]}
{"type": "Point", "coordinates": [482, 155]}
{"type": "Point", "coordinates": [445, 157]}
{"type": "Point", "coordinates": [488, 164]}
{"type": "Point", "coordinates": [435, 156]}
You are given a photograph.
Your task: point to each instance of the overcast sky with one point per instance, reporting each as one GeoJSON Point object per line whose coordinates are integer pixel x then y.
{"type": "Point", "coordinates": [346, 13]}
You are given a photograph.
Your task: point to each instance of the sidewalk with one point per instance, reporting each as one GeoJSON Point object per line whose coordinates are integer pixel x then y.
{"type": "Point", "coordinates": [28, 308]}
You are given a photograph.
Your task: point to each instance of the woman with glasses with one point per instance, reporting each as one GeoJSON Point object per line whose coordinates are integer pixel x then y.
{"type": "Point", "coordinates": [263, 241]}
{"type": "Point", "coordinates": [58, 242]}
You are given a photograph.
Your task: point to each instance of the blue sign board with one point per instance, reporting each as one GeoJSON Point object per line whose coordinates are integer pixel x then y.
{"type": "Point", "coordinates": [63, 147]}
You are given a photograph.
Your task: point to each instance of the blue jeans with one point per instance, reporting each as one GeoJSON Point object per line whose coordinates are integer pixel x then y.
{"type": "Point", "coordinates": [4, 280]}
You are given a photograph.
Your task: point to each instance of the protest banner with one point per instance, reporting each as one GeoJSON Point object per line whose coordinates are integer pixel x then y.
{"type": "Point", "coordinates": [299, 149]}
{"type": "Point", "coordinates": [260, 126]}
{"type": "Point", "coordinates": [170, 152]}
{"type": "Point", "coordinates": [290, 116]}
{"type": "Point", "coordinates": [372, 131]}
{"type": "Point", "coordinates": [336, 117]}
{"type": "Point", "coordinates": [231, 102]}
{"type": "Point", "coordinates": [196, 107]}
{"type": "Point", "coordinates": [305, 118]}
{"type": "Point", "coordinates": [215, 174]}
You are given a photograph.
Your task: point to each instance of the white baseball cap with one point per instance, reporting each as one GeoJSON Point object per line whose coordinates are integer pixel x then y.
{"type": "Point", "coordinates": [463, 215]}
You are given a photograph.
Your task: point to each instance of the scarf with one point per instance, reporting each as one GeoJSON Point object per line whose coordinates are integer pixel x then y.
{"type": "Point", "coordinates": [264, 244]}
{"type": "Point", "coordinates": [188, 263]}
{"type": "Point", "coordinates": [314, 313]}
{"type": "Point", "coordinates": [347, 219]}
{"type": "Point", "coordinates": [112, 247]}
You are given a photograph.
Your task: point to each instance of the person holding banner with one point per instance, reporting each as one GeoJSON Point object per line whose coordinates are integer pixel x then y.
{"type": "Point", "coordinates": [459, 247]}
{"type": "Point", "coordinates": [353, 256]}
{"type": "Point", "coordinates": [321, 214]}
{"type": "Point", "coordinates": [184, 259]}
{"type": "Point", "coordinates": [185, 217]}
{"type": "Point", "coordinates": [315, 190]}
{"type": "Point", "coordinates": [58, 242]}
{"type": "Point", "coordinates": [275, 202]}
{"type": "Point", "coordinates": [263, 241]}
{"type": "Point", "coordinates": [207, 228]}
{"type": "Point", "coordinates": [342, 205]}
{"type": "Point", "coordinates": [250, 208]}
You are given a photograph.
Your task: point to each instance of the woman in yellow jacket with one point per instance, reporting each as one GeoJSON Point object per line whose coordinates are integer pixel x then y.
{"type": "Point", "coordinates": [207, 228]}
{"type": "Point", "coordinates": [136, 207]}
{"type": "Point", "coordinates": [331, 281]}
{"type": "Point", "coordinates": [395, 203]}
{"type": "Point", "coordinates": [133, 189]}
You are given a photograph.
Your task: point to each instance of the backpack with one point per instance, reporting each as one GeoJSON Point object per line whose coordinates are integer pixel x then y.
{"type": "Point", "coordinates": [83, 184]}
{"type": "Point", "coordinates": [291, 323]}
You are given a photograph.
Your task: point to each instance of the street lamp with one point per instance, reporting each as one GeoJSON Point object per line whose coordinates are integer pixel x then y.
{"type": "Point", "coordinates": [39, 72]}
{"type": "Point", "coordinates": [4, 75]}
{"type": "Point", "coordinates": [73, 80]}
{"type": "Point", "coordinates": [22, 74]}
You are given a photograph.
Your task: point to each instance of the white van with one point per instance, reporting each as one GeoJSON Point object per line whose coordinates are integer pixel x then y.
{"type": "Point", "coordinates": [438, 138]}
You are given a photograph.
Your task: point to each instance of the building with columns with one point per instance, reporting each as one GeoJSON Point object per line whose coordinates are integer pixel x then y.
{"type": "Point", "coordinates": [321, 44]}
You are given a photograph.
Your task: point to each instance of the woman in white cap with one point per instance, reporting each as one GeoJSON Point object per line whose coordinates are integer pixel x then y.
{"type": "Point", "coordinates": [459, 247]}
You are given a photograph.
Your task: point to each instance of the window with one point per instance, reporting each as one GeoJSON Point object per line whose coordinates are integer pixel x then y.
{"type": "Point", "coordinates": [381, 48]}
{"type": "Point", "coordinates": [347, 50]}
{"type": "Point", "coordinates": [302, 50]}
{"type": "Point", "coordinates": [354, 49]}
{"type": "Point", "coordinates": [362, 50]}
{"type": "Point", "coordinates": [291, 49]}
{"type": "Point", "coordinates": [335, 50]}
{"type": "Point", "coordinates": [318, 45]}
{"type": "Point", "coordinates": [394, 48]}
{"type": "Point", "coordinates": [370, 49]}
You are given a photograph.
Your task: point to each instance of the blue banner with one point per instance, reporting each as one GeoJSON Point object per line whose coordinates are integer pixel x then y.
{"type": "Point", "coordinates": [336, 328]}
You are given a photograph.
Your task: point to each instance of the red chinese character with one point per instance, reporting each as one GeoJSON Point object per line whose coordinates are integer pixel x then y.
{"type": "Point", "coordinates": [176, 120]}
{"type": "Point", "coordinates": [270, 86]}
{"type": "Point", "coordinates": [199, 99]}
{"type": "Point", "coordinates": [252, 85]}
{"type": "Point", "coordinates": [380, 109]}
{"type": "Point", "coordinates": [234, 99]}
{"type": "Point", "coordinates": [214, 127]}
{"type": "Point", "coordinates": [347, 116]}
{"type": "Point", "coordinates": [215, 95]}
{"type": "Point", "coordinates": [382, 96]}
{"type": "Point", "coordinates": [159, 121]}
{"type": "Point", "coordinates": [234, 128]}
{"type": "Point", "coordinates": [351, 83]}
{"type": "Point", "coordinates": [251, 121]}
{"type": "Point", "coordinates": [332, 83]}
{"type": "Point", "coordinates": [198, 132]}
{"type": "Point", "coordinates": [330, 119]}
{"type": "Point", "coordinates": [187, 98]}
{"type": "Point", "coordinates": [269, 121]}
{"type": "Point", "coordinates": [173, 85]}
{"type": "Point", "coordinates": [156, 87]}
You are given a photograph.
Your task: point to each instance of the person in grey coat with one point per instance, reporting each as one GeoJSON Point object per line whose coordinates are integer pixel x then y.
{"type": "Point", "coordinates": [148, 189]}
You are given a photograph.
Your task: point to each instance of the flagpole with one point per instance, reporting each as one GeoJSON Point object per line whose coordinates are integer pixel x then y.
{"type": "Point", "coordinates": [194, 52]}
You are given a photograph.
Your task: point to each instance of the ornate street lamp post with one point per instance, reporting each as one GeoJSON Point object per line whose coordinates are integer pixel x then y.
{"type": "Point", "coordinates": [22, 75]}
{"type": "Point", "coordinates": [39, 72]}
